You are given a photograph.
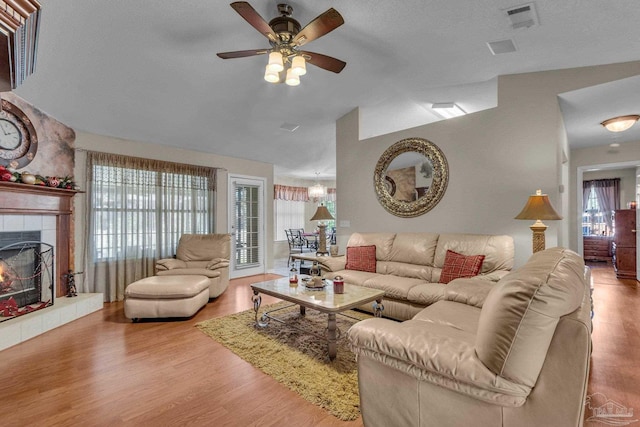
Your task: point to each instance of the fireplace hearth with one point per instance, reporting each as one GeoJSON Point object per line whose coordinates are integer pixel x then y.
{"type": "Point", "coordinates": [26, 274]}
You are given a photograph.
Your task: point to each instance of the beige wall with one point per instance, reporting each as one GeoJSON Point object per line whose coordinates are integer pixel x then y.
{"type": "Point", "coordinates": [86, 141]}
{"type": "Point", "coordinates": [496, 157]}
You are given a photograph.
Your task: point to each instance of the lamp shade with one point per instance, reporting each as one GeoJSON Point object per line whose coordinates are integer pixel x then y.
{"type": "Point", "coordinates": [292, 79]}
{"type": "Point", "coordinates": [298, 65]}
{"type": "Point", "coordinates": [275, 62]}
{"type": "Point", "coordinates": [322, 213]}
{"type": "Point", "coordinates": [538, 207]}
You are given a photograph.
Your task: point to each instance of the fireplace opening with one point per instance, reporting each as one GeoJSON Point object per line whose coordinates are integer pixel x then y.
{"type": "Point", "coordinates": [26, 274]}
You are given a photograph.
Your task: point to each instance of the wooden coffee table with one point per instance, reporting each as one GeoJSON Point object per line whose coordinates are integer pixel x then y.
{"type": "Point", "coordinates": [323, 300]}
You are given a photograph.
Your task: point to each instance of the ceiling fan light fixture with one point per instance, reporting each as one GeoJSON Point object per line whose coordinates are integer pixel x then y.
{"type": "Point", "coordinates": [621, 123]}
{"type": "Point", "coordinates": [298, 65]}
{"type": "Point", "coordinates": [271, 76]}
{"type": "Point", "coordinates": [292, 78]}
{"type": "Point", "coordinates": [275, 62]}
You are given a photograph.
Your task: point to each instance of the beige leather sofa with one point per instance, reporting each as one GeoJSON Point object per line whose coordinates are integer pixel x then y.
{"type": "Point", "coordinates": [408, 266]}
{"type": "Point", "coordinates": [201, 255]}
{"type": "Point", "coordinates": [517, 357]}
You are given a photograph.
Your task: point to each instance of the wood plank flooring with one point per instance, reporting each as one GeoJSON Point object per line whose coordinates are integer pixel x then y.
{"type": "Point", "coordinates": [104, 370]}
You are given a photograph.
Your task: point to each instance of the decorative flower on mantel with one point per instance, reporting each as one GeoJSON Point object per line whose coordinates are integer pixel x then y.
{"type": "Point", "coordinates": [28, 178]}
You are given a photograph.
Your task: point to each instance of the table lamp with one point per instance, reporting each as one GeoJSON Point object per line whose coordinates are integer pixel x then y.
{"type": "Point", "coordinates": [538, 208]}
{"type": "Point", "coordinates": [322, 214]}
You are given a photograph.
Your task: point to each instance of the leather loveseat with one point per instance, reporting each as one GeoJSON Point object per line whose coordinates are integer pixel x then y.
{"type": "Point", "coordinates": [517, 357]}
{"type": "Point", "coordinates": [408, 266]}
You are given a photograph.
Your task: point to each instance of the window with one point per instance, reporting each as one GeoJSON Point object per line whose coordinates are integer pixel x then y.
{"type": "Point", "coordinates": [593, 221]}
{"type": "Point", "coordinates": [331, 207]}
{"type": "Point", "coordinates": [142, 213]}
{"type": "Point", "coordinates": [288, 214]}
{"type": "Point", "coordinates": [600, 197]}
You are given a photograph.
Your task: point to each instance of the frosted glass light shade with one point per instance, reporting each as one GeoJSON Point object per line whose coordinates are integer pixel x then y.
{"type": "Point", "coordinates": [271, 76]}
{"type": "Point", "coordinates": [298, 66]}
{"type": "Point", "coordinates": [292, 79]}
{"type": "Point", "coordinates": [620, 124]}
{"type": "Point", "coordinates": [275, 62]}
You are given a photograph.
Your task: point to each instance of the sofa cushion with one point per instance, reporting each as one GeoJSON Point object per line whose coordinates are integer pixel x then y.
{"type": "Point", "coordinates": [498, 251]}
{"type": "Point", "coordinates": [458, 316]}
{"type": "Point", "coordinates": [353, 277]}
{"type": "Point", "coordinates": [394, 286]}
{"type": "Point", "coordinates": [414, 248]}
{"type": "Point", "coordinates": [427, 293]}
{"type": "Point", "coordinates": [361, 258]}
{"type": "Point", "coordinates": [520, 314]}
{"type": "Point", "coordinates": [457, 265]}
{"type": "Point", "coordinates": [382, 241]}
{"type": "Point", "coordinates": [417, 271]}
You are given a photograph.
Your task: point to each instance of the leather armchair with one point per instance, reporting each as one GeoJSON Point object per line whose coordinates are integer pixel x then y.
{"type": "Point", "coordinates": [203, 255]}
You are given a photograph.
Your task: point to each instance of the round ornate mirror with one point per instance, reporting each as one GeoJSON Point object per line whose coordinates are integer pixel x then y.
{"type": "Point", "coordinates": [411, 177]}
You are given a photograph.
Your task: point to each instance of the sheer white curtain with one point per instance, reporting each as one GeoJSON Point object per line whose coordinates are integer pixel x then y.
{"type": "Point", "coordinates": [137, 210]}
{"type": "Point", "coordinates": [608, 194]}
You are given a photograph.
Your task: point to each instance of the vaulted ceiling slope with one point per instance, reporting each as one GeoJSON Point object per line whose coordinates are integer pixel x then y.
{"type": "Point", "coordinates": [148, 71]}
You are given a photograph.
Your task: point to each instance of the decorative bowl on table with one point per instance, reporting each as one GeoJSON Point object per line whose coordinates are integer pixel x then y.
{"type": "Point", "coordinates": [313, 283]}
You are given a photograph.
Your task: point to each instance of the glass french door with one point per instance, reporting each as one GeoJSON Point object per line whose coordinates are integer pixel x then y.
{"type": "Point", "coordinates": [246, 223]}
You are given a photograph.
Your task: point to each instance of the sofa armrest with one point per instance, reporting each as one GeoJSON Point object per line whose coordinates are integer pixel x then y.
{"type": "Point", "coordinates": [170, 264]}
{"type": "Point", "coordinates": [218, 263]}
{"type": "Point", "coordinates": [328, 263]}
{"type": "Point", "coordinates": [470, 291]}
{"type": "Point", "coordinates": [435, 353]}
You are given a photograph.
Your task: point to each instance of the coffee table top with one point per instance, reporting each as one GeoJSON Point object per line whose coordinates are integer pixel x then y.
{"type": "Point", "coordinates": [323, 300]}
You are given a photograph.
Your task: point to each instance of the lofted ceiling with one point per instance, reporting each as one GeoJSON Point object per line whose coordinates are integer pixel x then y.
{"type": "Point", "coordinates": [148, 71]}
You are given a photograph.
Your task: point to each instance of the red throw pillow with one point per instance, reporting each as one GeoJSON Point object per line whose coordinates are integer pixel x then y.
{"type": "Point", "coordinates": [361, 258]}
{"type": "Point", "coordinates": [457, 265]}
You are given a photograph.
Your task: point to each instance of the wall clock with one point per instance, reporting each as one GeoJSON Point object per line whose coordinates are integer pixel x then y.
{"type": "Point", "coordinates": [18, 139]}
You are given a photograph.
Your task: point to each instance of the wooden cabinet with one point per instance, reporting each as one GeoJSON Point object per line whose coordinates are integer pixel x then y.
{"type": "Point", "coordinates": [597, 248]}
{"type": "Point", "coordinates": [624, 244]}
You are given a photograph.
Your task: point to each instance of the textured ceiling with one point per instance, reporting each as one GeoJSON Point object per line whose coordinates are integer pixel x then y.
{"type": "Point", "coordinates": [147, 70]}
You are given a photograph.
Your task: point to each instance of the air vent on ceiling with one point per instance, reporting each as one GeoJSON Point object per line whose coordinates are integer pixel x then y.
{"type": "Point", "coordinates": [502, 46]}
{"type": "Point", "coordinates": [289, 126]}
{"type": "Point", "coordinates": [523, 16]}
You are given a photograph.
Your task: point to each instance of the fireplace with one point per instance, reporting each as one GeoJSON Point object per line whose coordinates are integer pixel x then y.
{"type": "Point", "coordinates": [26, 274]}
{"type": "Point", "coordinates": [31, 202]}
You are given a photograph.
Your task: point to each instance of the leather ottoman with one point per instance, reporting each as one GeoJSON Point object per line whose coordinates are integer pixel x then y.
{"type": "Point", "coordinates": [166, 296]}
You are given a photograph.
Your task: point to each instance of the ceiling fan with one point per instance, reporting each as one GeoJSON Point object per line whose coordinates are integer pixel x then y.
{"type": "Point", "coordinates": [286, 37]}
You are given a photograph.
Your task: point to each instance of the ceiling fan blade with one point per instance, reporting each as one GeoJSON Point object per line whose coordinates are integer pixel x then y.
{"type": "Point", "coordinates": [245, 10]}
{"type": "Point", "coordinates": [323, 61]}
{"type": "Point", "coordinates": [242, 53]}
{"type": "Point", "coordinates": [323, 24]}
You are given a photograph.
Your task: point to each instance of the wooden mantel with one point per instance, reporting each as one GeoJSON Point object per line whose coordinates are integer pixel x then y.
{"type": "Point", "coordinates": [25, 199]}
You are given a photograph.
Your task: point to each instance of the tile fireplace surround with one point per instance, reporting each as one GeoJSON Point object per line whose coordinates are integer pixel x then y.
{"type": "Point", "coordinates": [26, 208]}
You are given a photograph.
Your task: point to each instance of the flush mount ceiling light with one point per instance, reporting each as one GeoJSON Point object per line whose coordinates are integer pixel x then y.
{"type": "Point", "coordinates": [448, 110]}
{"type": "Point", "coordinates": [286, 37]}
{"type": "Point", "coordinates": [621, 123]}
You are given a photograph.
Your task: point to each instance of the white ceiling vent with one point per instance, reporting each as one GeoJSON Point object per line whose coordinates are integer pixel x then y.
{"type": "Point", "coordinates": [523, 16]}
{"type": "Point", "coordinates": [289, 126]}
{"type": "Point", "coordinates": [501, 46]}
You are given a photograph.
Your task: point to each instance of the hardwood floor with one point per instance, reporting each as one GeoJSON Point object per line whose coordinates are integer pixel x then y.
{"type": "Point", "coordinates": [104, 370]}
{"type": "Point", "coordinates": [615, 360]}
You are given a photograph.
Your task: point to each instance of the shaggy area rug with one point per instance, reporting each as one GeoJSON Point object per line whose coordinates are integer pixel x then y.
{"type": "Point", "coordinates": [296, 358]}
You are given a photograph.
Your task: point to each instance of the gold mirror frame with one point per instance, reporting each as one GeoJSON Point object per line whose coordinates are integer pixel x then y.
{"type": "Point", "coordinates": [435, 192]}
